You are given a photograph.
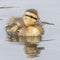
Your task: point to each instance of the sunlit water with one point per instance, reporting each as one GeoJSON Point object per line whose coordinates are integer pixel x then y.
{"type": "Point", "coordinates": [49, 11]}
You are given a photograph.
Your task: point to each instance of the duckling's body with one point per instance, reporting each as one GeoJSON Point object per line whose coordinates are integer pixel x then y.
{"type": "Point", "coordinates": [25, 29]}
{"type": "Point", "coordinates": [13, 26]}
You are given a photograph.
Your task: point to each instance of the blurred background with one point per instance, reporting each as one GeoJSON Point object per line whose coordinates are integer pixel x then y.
{"type": "Point", "coordinates": [49, 11]}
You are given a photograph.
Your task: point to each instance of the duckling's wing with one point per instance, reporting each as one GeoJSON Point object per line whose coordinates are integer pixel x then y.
{"type": "Point", "coordinates": [15, 20]}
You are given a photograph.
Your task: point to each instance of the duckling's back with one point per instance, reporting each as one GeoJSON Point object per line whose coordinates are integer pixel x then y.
{"type": "Point", "coordinates": [13, 25]}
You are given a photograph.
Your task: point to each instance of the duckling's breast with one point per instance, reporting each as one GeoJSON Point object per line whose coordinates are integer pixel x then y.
{"type": "Point", "coordinates": [34, 31]}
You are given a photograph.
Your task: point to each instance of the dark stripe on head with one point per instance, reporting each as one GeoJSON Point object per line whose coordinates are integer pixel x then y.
{"type": "Point", "coordinates": [33, 11]}
{"type": "Point", "coordinates": [31, 17]}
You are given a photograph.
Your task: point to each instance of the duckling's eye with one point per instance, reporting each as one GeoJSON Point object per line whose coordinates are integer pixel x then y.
{"type": "Point", "coordinates": [31, 17]}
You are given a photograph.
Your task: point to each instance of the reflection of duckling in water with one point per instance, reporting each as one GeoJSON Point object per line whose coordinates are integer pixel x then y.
{"type": "Point", "coordinates": [32, 50]}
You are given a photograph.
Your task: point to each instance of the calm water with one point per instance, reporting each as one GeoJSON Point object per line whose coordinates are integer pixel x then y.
{"type": "Point", "coordinates": [49, 11]}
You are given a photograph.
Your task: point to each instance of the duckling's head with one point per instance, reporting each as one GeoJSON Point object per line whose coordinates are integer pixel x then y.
{"type": "Point", "coordinates": [30, 17]}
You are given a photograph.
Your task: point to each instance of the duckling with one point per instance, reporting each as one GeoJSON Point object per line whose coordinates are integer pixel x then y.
{"type": "Point", "coordinates": [26, 26]}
